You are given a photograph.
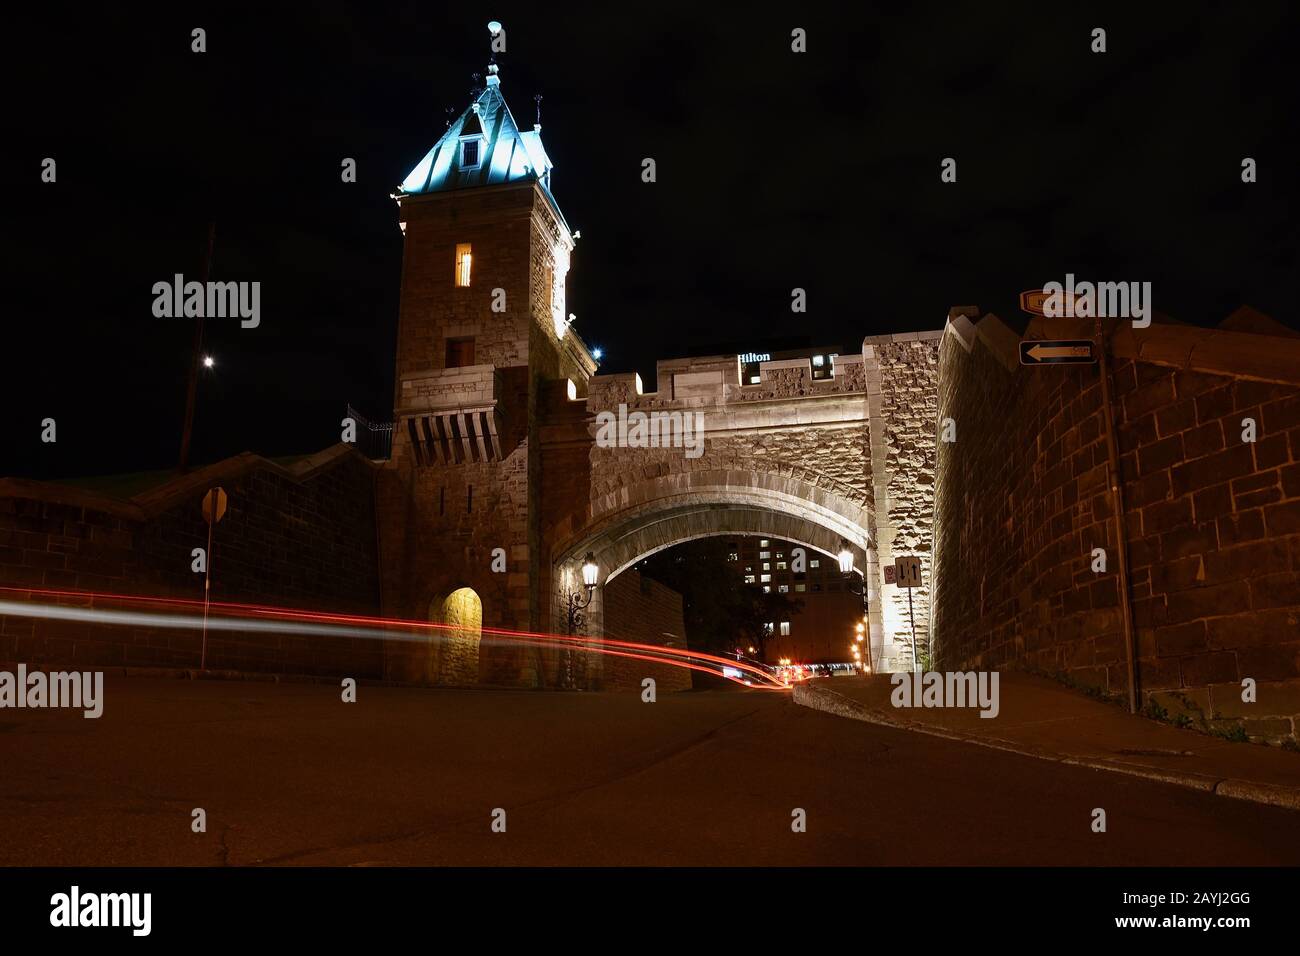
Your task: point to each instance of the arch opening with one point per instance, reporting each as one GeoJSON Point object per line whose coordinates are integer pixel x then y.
{"type": "Point", "coordinates": [454, 655]}
{"type": "Point", "coordinates": [623, 540]}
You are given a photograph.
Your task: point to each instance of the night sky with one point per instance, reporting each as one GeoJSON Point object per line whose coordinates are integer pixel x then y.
{"type": "Point", "coordinates": [775, 170]}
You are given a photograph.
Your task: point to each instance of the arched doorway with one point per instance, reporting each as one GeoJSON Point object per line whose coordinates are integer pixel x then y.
{"type": "Point", "coordinates": [622, 538]}
{"type": "Point", "coordinates": [456, 647]}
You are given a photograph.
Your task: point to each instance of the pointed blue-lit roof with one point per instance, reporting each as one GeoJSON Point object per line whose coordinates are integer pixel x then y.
{"type": "Point", "coordinates": [505, 153]}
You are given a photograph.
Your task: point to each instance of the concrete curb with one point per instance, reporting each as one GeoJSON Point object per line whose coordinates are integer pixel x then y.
{"type": "Point", "coordinates": [1276, 795]}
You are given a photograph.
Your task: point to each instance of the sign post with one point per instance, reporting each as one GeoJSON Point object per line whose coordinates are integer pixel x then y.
{"type": "Point", "coordinates": [907, 574]}
{"type": "Point", "coordinates": [214, 509]}
{"type": "Point", "coordinates": [1093, 352]}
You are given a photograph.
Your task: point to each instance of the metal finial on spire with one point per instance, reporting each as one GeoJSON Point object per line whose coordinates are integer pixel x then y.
{"type": "Point", "coordinates": [537, 98]}
{"type": "Point", "coordinates": [496, 31]}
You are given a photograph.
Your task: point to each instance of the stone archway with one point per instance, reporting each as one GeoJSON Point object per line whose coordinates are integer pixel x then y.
{"type": "Point", "coordinates": [455, 651]}
{"type": "Point", "coordinates": [624, 538]}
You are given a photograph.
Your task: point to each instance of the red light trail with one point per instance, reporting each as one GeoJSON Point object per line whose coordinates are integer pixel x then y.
{"type": "Point", "coordinates": [232, 616]}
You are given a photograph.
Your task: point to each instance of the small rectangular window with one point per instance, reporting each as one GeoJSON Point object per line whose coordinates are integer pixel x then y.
{"type": "Point", "coordinates": [800, 588]}
{"type": "Point", "coordinates": [460, 353]}
{"type": "Point", "coordinates": [464, 259]}
{"type": "Point", "coordinates": [783, 588]}
{"type": "Point", "coordinates": [765, 577]}
{"type": "Point", "coordinates": [785, 628]}
{"type": "Point", "coordinates": [814, 562]}
{"type": "Point", "coordinates": [749, 579]}
{"type": "Point", "coordinates": [469, 153]}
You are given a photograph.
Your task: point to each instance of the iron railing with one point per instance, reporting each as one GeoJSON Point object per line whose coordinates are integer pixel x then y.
{"type": "Point", "coordinates": [375, 441]}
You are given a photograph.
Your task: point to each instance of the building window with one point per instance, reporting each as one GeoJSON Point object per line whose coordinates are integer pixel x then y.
{"type": "Point", "coordinates": [767, 589]}
{"type": "Point", "coordinates": [814, 562]}
{"type": "Point", "coordinates": [783, 588]}
{"type": "Point", "coordinates": [780, 555]}
{"type": "Point", "coordinates": [469, 154]}
{"type": "Point", "coordinates": [748, 568]}
{"type": "Point", "coordinates": [460, 352]}
{"type": "Point", "coordinates": [755, 380]}
{"type": "Point", "coordinates": [765, 578]}
{"type": "Point", "coordinates": [764, 555]}
{"type": "Point", "coordinates": [464, 258]}
{"type": "Point", "coordinates": [800, 588]}
{"type": "Point", "coordinates": [767, 566]}
{"type": "Point", "coordinates": [749, 579]}
{"type": "Point", "coordinates": [785, 628]}
{"type": "Point", "coordinates": [733, 555]}
{"type": "Point", "coordinates": [780, 565]}
{"type": "Point", "coordinates": [764, 543]}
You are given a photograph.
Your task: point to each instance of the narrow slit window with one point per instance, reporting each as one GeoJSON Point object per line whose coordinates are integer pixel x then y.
{"type": "Point", "coordinates": [464, 259]}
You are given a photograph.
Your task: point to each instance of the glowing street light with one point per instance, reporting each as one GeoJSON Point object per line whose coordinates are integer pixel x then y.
{"type": "Point", "coordinates": [590, 573]}
{"type": "Point", "coordinates": [845, 557]}
{"type": "Point", "coordinates": [209, 361]}
{"type": "Point", "coordinates": [590, 578]}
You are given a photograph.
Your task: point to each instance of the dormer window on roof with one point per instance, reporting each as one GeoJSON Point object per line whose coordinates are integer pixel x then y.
{"type": "Point", "coordinates": [471, 140]}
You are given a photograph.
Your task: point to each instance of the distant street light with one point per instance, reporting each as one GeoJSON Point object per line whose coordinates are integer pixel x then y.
{"type": "Point", "coordinates": [208, 361]}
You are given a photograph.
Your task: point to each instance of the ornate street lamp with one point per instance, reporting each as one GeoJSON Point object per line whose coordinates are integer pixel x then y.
{"type": "Point", "coordinates": [578, 602]}
{"type": "Point", "coordinates": [853, 582]}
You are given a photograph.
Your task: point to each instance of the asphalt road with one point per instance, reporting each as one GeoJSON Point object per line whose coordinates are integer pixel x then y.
{"type": "Point", "coordinates": [290, 775]}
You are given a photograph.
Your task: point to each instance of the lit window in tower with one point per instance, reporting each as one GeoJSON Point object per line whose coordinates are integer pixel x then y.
{"type": "Point", "coordinates": [463, 260]}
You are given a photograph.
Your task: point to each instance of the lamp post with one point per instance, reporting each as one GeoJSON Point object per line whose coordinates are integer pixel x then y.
{"type": "Point", "coordinates": [857, 584]}
{"type": "Point", "coordinates": [579, 601]}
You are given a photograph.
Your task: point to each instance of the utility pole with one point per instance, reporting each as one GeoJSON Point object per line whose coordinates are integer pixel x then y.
{"type": "Point", "coordinates": [1117, 506]}
{"type": "Point", "coordinates": [196, 361]}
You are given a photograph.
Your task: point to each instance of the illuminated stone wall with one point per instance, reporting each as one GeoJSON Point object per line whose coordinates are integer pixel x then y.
{"type": "Point", "coordinates": [902, 376]}
{"type": "Point", "coordinates": [1212, 521]}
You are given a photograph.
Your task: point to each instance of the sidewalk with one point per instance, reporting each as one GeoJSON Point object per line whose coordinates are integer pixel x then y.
{"type": "Point", "coordinates": [1040, 718]}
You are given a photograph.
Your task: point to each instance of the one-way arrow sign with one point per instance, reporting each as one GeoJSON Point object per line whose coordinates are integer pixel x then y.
{"type": "Point", "coordinates": [1062, 352]}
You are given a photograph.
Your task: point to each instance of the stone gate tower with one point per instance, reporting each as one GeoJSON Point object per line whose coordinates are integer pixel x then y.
{"type": "Point", "coordinates": [483, 343]}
